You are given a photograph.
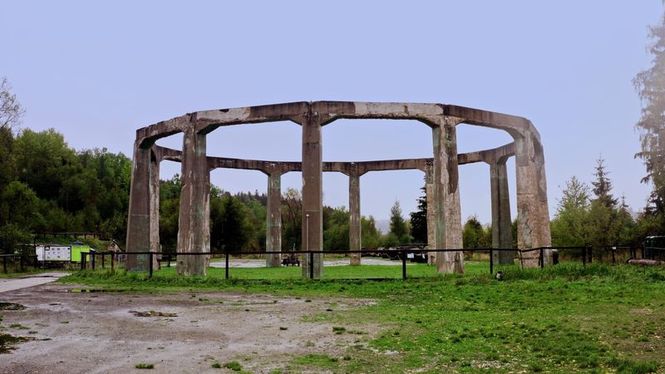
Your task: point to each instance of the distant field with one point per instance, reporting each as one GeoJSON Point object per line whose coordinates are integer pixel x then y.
{"type": "Point", "coordinates": [566, 318]}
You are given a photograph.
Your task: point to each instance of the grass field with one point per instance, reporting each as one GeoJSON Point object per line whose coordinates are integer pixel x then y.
{"type": "Point", "coordinates": [567, 318]}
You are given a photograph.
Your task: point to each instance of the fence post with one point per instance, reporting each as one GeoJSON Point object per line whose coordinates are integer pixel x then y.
{"type": "Point", "coordinates": [20, 259]}
{"type": "Point", "coordinates": [226, 264]}
{"type": "Point", "coordinates": [103, 257]}
{"type": "Point", "coordinates": [112, 260]}
{"type": "Point", "coordinates": [311, 265]}
{"type": "Point", "coordinates": [4, 264]}
{"type": "Point", "coordinates": [542, 258]}
{"type": "Point", "coordinates": [491, 261]}
{"type": "Point", "coordinates": [584, 257]}
{"type": "Point", "coordinates": [92, 260]}
{"type": "Point", "coordinates": [403, 264]}
{"type": "Point", "coordinates": [82, 260]}
{"type": "Point", "coordinates": [590, 254]}
{"type": "Point", "coordinates": [150, 266]}
{"type": "Point", "coordinates": [614, 260]}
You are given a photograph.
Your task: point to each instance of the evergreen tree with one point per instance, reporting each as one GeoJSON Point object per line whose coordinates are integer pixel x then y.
{"type": "Point", "coordinates": [602, 186]}
{"type": "Point", "coordinates": [398, 226]}
{"type": "Point", "coordinates": [650, 85]}
{"type": "Point", "coordinates": [419, 219]}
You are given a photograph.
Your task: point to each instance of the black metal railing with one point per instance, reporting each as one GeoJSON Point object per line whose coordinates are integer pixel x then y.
{"type": "Point", "coordinates": [91, 260]}
{"type": "Point", "coordinates": [19, 262]}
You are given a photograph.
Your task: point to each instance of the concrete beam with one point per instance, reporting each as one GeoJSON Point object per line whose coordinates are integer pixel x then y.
{"type": "Point", "coordinates": [154, 208]}
{"type": "Point", "coordinates": [194, 218]}
{"type": "Point", "coordinates": [274, 220]}
{"type": "Point", "coordinates": [431, 216]}
{"type": "Point", "coordinates": [312, 196]}
{"type": "Point", "coordinates": [138, 219]}
{"type": "Point", "coordinates": [533, 228]}
{"type": "Point", "coordinates": [355, 226]}
{"type": "Point", "coordinates": [502, 235]}
{"type": "Point", "coordinates": [448, 227]}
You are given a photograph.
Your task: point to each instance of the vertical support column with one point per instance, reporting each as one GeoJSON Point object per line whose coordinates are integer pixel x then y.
{"type": "Point", "coordinates": [138, 219]}
{"type": "Point", "coordinates": [533, 228]}
{"type": "Point", "coordinates": [312, 197]}
{"type": "Point", "coordinates": [431, 216]}
{"type": "Point", "coordinates": [448, 226]}
{"type": "Point", "coordinates": [274, 219]}
{"type": "Point", "coordinates": [502, 236]}
{"type": "Point", "coordinates": [154, 208]}
{"type": "Point", "coordinates": [354, 216]}
{"type": "Point", "coordinates": [194, 218]}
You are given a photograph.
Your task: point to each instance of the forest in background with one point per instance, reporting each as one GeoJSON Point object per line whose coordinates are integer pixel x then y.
{"type": "Point", "coordinates": [46, 186]}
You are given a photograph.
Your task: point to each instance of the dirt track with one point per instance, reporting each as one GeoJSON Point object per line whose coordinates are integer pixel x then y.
{"type": "Point", "coordinates": [97, 332]}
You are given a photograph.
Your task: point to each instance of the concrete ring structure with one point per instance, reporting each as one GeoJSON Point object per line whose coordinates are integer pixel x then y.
{"type": "Point", "coordinates": [444, 220]}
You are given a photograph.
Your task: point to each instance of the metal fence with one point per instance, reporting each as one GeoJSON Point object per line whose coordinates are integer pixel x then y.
{"type": "Point", "coordinates": [113, 260]}
{"type": "Point", "coordinates": [18, 262]}
{"type": "Point", "coordinates": [152, 260]}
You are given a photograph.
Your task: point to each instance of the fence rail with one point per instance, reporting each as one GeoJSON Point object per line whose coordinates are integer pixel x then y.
{"type": "Point", "coordinates": [584, 254]}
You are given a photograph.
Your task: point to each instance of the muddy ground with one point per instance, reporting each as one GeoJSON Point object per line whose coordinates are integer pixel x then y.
{"type": "Point", "coordinates": [77, 332]}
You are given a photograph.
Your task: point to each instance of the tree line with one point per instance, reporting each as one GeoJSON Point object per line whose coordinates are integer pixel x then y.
{"type": "Point", "coordinates": [47, 186]}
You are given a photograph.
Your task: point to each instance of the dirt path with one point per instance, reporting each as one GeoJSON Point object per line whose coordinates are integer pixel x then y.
{"type": "Point", "coordinates": [98, 332]}
{"type": "Point", "coordinates": [11, 284]}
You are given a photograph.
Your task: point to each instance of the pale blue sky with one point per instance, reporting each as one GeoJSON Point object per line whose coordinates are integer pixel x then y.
{"type": "Point", "coordinates": [97, 72]}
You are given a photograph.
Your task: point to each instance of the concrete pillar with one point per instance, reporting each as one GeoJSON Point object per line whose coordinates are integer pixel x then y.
{"type": "Point", "coordinates": [194, 218]}
{"type": "Point", "coordinates": [533, 227]}
{"type": "Point", "coordinates": [138, 219]}
{"type": "Point", "coordinates": [154, 207]}
{"type": "Point", "coordinates": [502, 235]}
{"type": "Point", "coordinates": [274, 220]}
{"type": "Point", "coordinates": [431, 216]}
{"type": "Point", "coordinates": [448, 221]}
{"type": "Point", "coordinates": [354, 217]}
{"type": "Point", "coordinates": [312, 197]}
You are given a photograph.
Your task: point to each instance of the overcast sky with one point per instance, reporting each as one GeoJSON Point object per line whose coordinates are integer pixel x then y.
{"type": "Point", "coordinates": [97, 72]}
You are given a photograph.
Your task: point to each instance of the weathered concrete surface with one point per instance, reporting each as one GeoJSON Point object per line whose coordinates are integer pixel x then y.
{"type": "Point", "coordinates": [194, 218]}
{"type": "Point", "coordinates": [138, 220]}
{"type": "Point", "coordinates": [354, 217]}
{"type": "Point", "coordinates": [312, 196]}
{"type": "Point", "coordinates": [533, 228]}
{"type": "Point", "coordinates": [431, 216]}
{"type": "Point", "coordinates": [532, 198]}
{"type": "Point", "coordinates": [448, 226]}
{"type": "Point", "coordinates": [502, 235]}
{"type": "Point", "coordinates": [12, 284]}
{"type": "Point", "coordinates": [274, 220]}
{"type": "Point", "coordinates": [154, 207]}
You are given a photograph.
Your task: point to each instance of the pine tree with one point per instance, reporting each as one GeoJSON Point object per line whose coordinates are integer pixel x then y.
{"type": "Point", "coordinates": [398, 225]}
{"type": "Point", "coordinates": [602, 186]}
{"type": "Point", "coordinates": [419, 220]}
{"type": "Point", "coordinates": [650, 85]}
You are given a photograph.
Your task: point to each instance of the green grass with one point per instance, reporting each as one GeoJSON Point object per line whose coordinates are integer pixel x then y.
{"type": "Point", "coordinates": [233, 365]}
{"type": "Point", "coordinates": [566, 318]}
{"type": "Point", "coordinates": [144, 366]}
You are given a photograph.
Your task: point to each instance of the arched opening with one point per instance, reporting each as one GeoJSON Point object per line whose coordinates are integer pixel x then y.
{"type": "Point", "coordinates": [474, 179]}
{"type": "Point", "coordinates": [377, 139]}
